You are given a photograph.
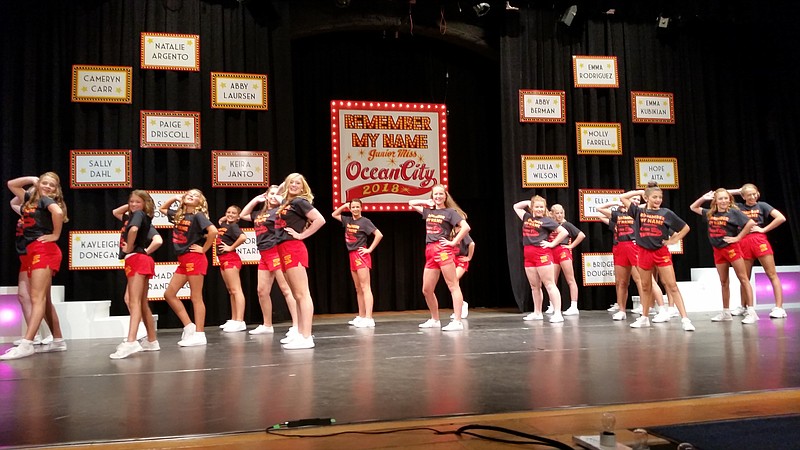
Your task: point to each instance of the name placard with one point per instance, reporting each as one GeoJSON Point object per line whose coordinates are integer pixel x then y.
{"type": "Point", "coordinates": [542, 106]}
{"type": "Point", "coordinates": [591, 199]}
{"type": "Point", "coordinates": [598, 269]}
{"type": "Point", "coordinates": [168, 51]}
{"type": "Point", "coordinates": [238, 91]}
{"type": "Point", "coordinates": [248, 251]}
{"type": "Point", "coordinates": [663, 171]}
{"type": "Point", "coordinates": [101, 84]}
{"type": "Point", "coordinates": [159, 198]}
{"type": "Point", "coordinates": [653, 107]}
{"type": "Point", "coordinates": [387, 153]}
{"type": "Point", "coordinates": [595, 71]}
{"type": "Point", "coordinates": [676, 248]}
{"type": "Point", "coordinates": [93, 169]}
{"type": "Point", "coordinates": [159, 282]}
{"type": "Point", "coordinates": [93, 250]}
{"type": "Point", "coordinates": [597, 138]}
{"type": "Point", "coordinates": [239, 169]}
{"type": "Point", "coordinates": [169, 129]}
{"type": "Point", "coordinates": [544, 171]}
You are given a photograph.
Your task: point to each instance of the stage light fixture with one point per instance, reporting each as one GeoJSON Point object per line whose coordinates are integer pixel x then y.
{"type": "Point", "coordinates": [481, 8]}
{"type": "Point", "coordinates": [569, 15]}
{"type": "Point", "coordinates": [341, 3]}
{"type": "Point", "coordinates": [663, 22]}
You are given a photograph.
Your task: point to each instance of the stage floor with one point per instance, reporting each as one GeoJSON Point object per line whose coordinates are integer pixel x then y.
{"type": "Point", "coordinates": [396, 371]}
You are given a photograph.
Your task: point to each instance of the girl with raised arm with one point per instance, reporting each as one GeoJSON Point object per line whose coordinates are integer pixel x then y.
{"type": "Point", "coordinates": [726, 228]}
{"type": "Point", "coordinates": [625, 255]}
{"type": "Point", "coordinates": [43, 216]}
{"type": "Point", "coordinates": [357, 230]}
{"type": "Point", "coordinates": [297, 220]}
{"type": "Point", "coordinates": [755, 245]}
{"type": "Point", "coordinates": [440, 215]}
{"type": "Point", "coordinates": [138, 241]}
{"type": "Point", "coordinates": [192, 236]}
{"type": "Point", "coordinates": [536, 228]}
{"type": "Point", "coordinates": [269, 266]}
{"type": "Point", "coordinates": [653, 224]}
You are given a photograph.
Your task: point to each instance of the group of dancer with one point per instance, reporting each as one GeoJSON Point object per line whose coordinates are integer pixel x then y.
{"type": "Point", "coordinates": [284, 216]}
{"type": "Point", "coordinates": [737, 233]}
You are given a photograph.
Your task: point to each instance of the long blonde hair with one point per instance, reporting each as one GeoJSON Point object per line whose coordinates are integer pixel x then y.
{"type": "Point", "coordinates": [202, 206]}
{"type": "Point", "coordinates": [149, 205]}
{"type": "Point", "coordinates": [57, 197]}
{"type": "Point", "coordinates": [449, 202]}
{"type": "Point", "coordinates": [304, 193]}
{"type": "Point", "coordinates": [713, 209]}
{"type": "Point", "coordinates": [538, 198]}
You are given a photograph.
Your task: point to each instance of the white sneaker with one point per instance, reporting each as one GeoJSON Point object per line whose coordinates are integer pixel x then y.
{"type": "Point", "coordinates": [291, 335]}
{"type": "Point", "coordinates": [226, 323]}
{"type": "Point", "coordinates": [37, 340]}
{"type": "Point", "coordinates": [126, 349]}
{"type": "Point", "coordinates": [464, 311]}
{"type": "Point", "coordinates": [738, 311]}
{"type": "Point", "coordinates": [262, 329]}
{"type": "Point", "coordinates": [549, 310]}
{"type": "Point", "coordinates": [196, 339]}
{"type": "Point", "coordinates": [619, 315]}
{"type": "Point", "coordinates": [57, 345]}
{"type": "Point", "coordinates": [556, 318]}
{"type": "Point", "coordinates": [673, 311]}
{"type": "Point", "coordinates": [571, 311]}
{"type": "Point", "coordinates": [534, 316]}
{"type": "Point", "coordinates": [751, 316]}
{"type": "Point", "coordinates": [637, 310]}
{"type": "Point", "coordinates": [234, 326]}
{"type": "Point", "coordinates": [431, 323]}
{"type": "Point", "coordinates": [148, 346]}
{"type": "Point", "coordinates": [724, 316]}
{"type": "Point", "coordinates": [365, 323]}
{"type": "Point", "coordinates": [613, 308]}
{"type": "Point", "coordinates": [355, 320]}
{"type": "Point", "coordinates": [686, 324]}
{"type": "Point", "coordinates": [641, 322]}
{"type": "Point", "coordinates": [300, 343]}
{"type": "Point", "coordinates": [453, 326]}
{"type": "Point", "coordinates": [662, 316]}
{"type": "Point", "coordinates": [188, 330]}
{"type": "Point", "coordinates": [778, 313]}
{"type": "Point", "coordinates": [25, 348]}
{"type": "Point", "coordinates": [46, 340]}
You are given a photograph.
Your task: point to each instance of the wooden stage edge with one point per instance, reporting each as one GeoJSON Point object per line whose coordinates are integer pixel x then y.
{"type": "Point", "coordinates": [559, 424]}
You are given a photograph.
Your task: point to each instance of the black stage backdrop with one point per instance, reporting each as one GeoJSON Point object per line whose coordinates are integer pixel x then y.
{"type": "Point", "coordinates": [733, 85]}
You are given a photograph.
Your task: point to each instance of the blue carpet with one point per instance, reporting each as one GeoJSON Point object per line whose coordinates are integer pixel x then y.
{"type": "Point", "coordinates": [768, 433]}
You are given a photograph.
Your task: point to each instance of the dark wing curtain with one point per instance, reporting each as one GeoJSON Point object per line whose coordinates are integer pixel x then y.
{"type": "Point", "coordinates": [733, 122]}
{"type": "Point", "coordinates": [40, 125]}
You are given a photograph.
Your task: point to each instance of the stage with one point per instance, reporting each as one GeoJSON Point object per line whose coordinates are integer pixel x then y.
{"type": "Point", "coordinates": [396, 371]}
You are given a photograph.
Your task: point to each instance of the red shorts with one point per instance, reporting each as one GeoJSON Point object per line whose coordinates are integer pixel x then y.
{"type": "Point", "coordinates": [561, 254]}
{"type": "Point", "coordinates": [192, 263]}
{"type": "Point", "coordinates": [462, 264]}
{"type": "Point", "coordinates": [270, 260]}
{"type": "Point", "coordinates": [727, 254]}
{"type": "Point", "coordinates": [139, 264]}
{"type": "Point", "coordinates": [536, 256]}
{"type": "Point", "coordinates": [293, 254]}
{"type": "Point", "coordinates": [755, 245]}
{"type": "Point", "coordinates": [230, 260]}
{"type": "Point", "coordinates": [438, 255]}
{"type": "Point", "coordinates": [43, 255]}
{"type": "Point", "coordinates": [650, 258]}
{"type": "Point", "coordinates": [626, 254]}
{"type": "Point", "coordinates": [24, 263]}
{"type": "Point", "coordinates": [359, 261]}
